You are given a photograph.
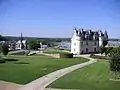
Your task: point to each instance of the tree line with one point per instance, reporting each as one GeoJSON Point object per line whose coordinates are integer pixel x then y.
{"type": "Point", "coordinates": [110, 50]}
{"type": "Point", "coordinates": [34, 44]}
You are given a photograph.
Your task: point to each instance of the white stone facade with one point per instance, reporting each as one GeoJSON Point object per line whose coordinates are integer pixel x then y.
{"type": "Point", "coordinates": [87, 41]}
{"type": "Point", "coordinates": [19, 45]}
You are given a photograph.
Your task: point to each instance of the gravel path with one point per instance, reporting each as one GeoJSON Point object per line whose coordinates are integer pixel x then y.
{"type": "Point", "coordinates": [9, 86]}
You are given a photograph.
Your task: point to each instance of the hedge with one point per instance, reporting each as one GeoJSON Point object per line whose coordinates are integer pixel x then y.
{"type": "Point", "coordinates": [20, 53]}
{"type": "Point", "coordinates": [2, 60]}
{"type": "Point", "coordinates": [66, 55]}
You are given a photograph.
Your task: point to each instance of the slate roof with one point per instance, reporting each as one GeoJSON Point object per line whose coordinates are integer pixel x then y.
{"type": "Point", "coordinates": [89, 34]}
{"type": "Point", "coordinates": [113, 43]}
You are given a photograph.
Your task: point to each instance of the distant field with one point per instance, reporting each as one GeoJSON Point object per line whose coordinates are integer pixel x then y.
{"type": "Point", "coordinates": [93, 77]}
{"type": "Point", "coordinates": [29, 68]}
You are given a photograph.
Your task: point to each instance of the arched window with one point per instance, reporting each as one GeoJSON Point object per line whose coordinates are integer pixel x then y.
{"type": "Point", "coordinates": [86, 37]}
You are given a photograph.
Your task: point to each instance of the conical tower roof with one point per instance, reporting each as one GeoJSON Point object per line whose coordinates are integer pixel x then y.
{"type": "Point", "coordinates": [105, 34]}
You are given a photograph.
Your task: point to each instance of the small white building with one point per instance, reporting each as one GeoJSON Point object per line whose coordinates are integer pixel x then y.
{"type": "Point", "coordinates": [87, 41]}
{"type": "Point", "coordinates": [42, 46]}
{"type": "Point", "coordinates": [20, 43]}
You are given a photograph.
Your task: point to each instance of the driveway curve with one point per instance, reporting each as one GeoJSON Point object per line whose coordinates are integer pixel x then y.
{"type": "Point", "coordinates": [41, 83]}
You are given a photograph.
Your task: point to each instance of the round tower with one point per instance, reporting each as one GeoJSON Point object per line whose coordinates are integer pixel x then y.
{"type": "Point", "coordinates": [105, 42]}
{"type": "Point", "coordinates": [101, 39]}
{"type": "Point", "coordinates": [105, 35]}
{"type": "Point", "coordinates": [75, 42]}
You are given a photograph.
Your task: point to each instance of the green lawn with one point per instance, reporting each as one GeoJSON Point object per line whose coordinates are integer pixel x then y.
{"type": "Point", "coordinates": [93, 77]}
{"type": "Point", "coordinates": [29, 68]}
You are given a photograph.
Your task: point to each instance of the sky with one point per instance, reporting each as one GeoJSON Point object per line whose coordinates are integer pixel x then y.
{"type": "Point", "coordinates": [57, 18]}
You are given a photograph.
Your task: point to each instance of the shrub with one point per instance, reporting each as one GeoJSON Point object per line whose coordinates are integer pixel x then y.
{"type": "Point", "coordinates": [10, 59]}
{"type": "Point", "coordinates": [66, 55]}
{"type": "Point", "coordinates": [2, 60]}
{"type": "Point", "coordinates": [115, 62]}
{"type": "Point", "coordinates": [21, 63]}
{"type": "Point", "coordinates": [61, 49]}
{"type": "Point", "coordinates": [4, 49]}
{"type": "Point", "coordinates": [18, 53]}
{"type": "Point", "coordinates": [115, 65]}
{"type": "Point", "coordinates": [27, 52]}
{"type": "Point", "coordinates": [102, 50]}
{"type": "Point", "coordinates": [91, 55]}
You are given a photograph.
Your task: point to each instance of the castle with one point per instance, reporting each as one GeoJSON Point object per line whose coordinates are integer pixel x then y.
{"type": "Point", "coordinates": [87, 41]}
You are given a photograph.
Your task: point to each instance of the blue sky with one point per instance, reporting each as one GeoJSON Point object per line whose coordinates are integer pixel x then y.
{"type": "Point", "coordinates": [57, 18]}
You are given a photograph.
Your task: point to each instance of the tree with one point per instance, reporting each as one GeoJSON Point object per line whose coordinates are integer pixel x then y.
{"type": "Point", "coordinates": [34, 44]}
{"type": "Point", "coordinates": [102, 50]}
{"type": "Point", "coordinates": [4, 49]}
{"type": "Point", "coordinates": [105, 42]}
{"type": "Point", "coordinates": [2, 38]}
{"type": "Point", "coordinates": [115, 65]}
{"type": "Point", "coordinates": [114, 50]}
{"type": "Point", "coordinates": [108, 50]}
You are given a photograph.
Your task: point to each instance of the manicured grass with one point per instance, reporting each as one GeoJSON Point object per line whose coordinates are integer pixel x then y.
{"type": "Point", "coordinates": [93, 77]}
{"type": "Point", "coordinates": [23, 69]}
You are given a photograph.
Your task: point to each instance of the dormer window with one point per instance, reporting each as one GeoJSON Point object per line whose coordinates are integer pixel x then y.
{"type": "Point", "coordinates": [86, 37]}
{"type": "Point", "coordinates": [94, 49]}
{"type": "Point", "coordinates": [86, 50]}
{"type": "Point", "coordinates": [81, 43]}
{"type": "Point", "coordinates": [94, 37]}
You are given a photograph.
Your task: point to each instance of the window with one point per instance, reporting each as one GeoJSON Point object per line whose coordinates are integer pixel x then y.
{"type": "Point", "coordinates": [74, 49]}
{"type": "Point", "coordinates": [86, 43]}
{"type": "Point", "coordinates": [81, 43]}
{"type": "Point", "coordinates": [82, 52]}
{"type": "Point", "coordinates": [97, 50]}
{"type": "Point", "coordinates": [86, 49]}
{"type": "Point", "coordinates": [87, 37]}
{"type": "Point", "coordinates": [95, 43]}
{"type": "Point", "coordinates": [74, 43]}
{"type": "Point", "coordinates": [94, 49]}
